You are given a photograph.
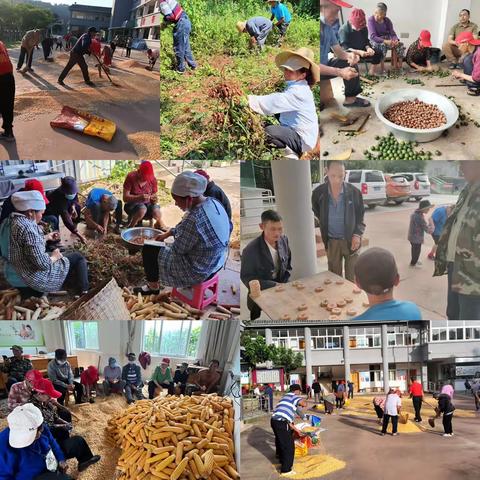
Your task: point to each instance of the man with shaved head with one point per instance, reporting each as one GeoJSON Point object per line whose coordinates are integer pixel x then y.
{"type": "Point", "coordinates": [376, 273]}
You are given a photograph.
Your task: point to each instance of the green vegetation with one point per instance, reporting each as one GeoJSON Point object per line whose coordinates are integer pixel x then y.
{"type": "Point", "coordinates": [204, 114]}
{"type": "Point", "coordinates": [23, 17]}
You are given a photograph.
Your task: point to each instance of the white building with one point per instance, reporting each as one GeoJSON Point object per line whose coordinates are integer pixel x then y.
{"type": "Point", "coordinates": [368, 352]}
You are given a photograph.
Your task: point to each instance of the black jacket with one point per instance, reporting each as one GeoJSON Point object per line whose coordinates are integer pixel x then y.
{"type": "Point", "coordinates": [215, 191]}
{"type": "Point", "coordinates": [257, 263]}
{"type": "Point", "coordinates": [445, 404]}
{"type": "Point", "coordinates": [354, 211]}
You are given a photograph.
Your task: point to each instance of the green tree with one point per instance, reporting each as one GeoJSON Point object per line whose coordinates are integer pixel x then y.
{"type": "Point", "coordinates": [256, 350]}
{"type": "Point", "coordinates": [288, 359]}
{"type": "Point", "coordinates": [29, 17]}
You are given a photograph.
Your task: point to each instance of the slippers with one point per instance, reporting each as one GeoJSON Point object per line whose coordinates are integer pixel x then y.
{"type": "Point", "coordinates": [359, 102]}
{"type": "Point", "coordinates": [145, 290]}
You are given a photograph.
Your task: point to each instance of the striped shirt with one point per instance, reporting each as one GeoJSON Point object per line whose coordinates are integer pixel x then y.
{"type": "Point", "coordinates": [287, 407]}
{"type": "Point", "coordinates": [171, 10]}
{"type": "Point", "coordinates": [29, 258]}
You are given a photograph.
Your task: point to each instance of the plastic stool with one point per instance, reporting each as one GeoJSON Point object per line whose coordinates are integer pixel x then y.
{"type": "Point", "coordinates": [198, 299]}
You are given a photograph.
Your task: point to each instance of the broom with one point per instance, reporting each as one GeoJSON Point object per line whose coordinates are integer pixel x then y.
{"type": "Point", "coordinates": [403, 418]}
{"type": "Point", "coordinates": [431, 420]}
{"type": "Point", "coordinates": [105, 70]}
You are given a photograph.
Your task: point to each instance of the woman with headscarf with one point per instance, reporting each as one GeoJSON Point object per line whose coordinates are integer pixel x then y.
{"type": "Point", "coordinates": [383, 36]}
{"type": "Point", "coordinates": [140, 196]}
{"type": "Point", "coordinates": [353, 37]}
{"type": "Point", "coordinates": [30, 268]}
{"type": "Point", "coordinates": [201, 240]}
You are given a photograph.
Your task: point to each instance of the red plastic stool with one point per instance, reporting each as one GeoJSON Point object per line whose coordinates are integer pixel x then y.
{"type": "Point", "coordinates": [198, 300]}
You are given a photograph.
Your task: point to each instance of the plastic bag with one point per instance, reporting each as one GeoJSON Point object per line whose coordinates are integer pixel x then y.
{"type": "Point", "coordinates": [86, 123]}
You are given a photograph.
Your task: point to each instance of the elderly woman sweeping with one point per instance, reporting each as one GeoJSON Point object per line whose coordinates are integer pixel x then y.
{"type": "Point", "coordinates": [201, 240]}
{"type": "Point", "coordinates": [30, 267]}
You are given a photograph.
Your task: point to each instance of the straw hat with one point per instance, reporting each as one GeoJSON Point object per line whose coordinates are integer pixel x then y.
{"type": "Point", "coordinates": [301, 58]}
{"type": "Point", "coordinates": [241, 26]}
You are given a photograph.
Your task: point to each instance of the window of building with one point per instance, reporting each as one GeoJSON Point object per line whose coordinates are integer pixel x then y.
{"type": "Point", "coordinates": [365, 337]}
{"type": "Point", "coordinates": [327, 338]}
{"type": "Point", "coordinates": [292, 338]}
{"type": "Point", "coordinates": [175, 338]}
{"type": "Point", "coordinates": [83, 335]}
{"type": "Point", "coordinates": [455, 331]}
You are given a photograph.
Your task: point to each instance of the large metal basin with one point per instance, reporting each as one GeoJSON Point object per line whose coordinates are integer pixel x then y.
{"type": "Point", "coordinates": [135, 232]}
{"type": "Point", "coordinates": [415, 134]}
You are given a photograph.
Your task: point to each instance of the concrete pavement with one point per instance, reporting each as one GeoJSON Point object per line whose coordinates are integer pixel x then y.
{"type": "Point", "coordinates": [133, 104]}
{"type": "Point", "coordinates": [354, 440]}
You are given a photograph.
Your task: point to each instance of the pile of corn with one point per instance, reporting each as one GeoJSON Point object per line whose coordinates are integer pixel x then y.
{"type": "Point", "coordinates": [13, 308]}
{"type": "Point", "coordinates": [150, 307]}
{"type": "Point", "coordinates": [174, 438]}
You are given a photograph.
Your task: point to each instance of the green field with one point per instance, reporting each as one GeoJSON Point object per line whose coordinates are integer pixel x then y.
{"type": "Point", "coordinates": [203, 113]}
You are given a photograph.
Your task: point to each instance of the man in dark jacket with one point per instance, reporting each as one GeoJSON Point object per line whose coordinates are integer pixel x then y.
{"type": "Point", "coordinates": [81, 48]}
{"type": "Point", "coordinates": [267, 259]}
{"type": "Point", "coordinates": [132, 376]}
{"type": "Point", "coordinates": [339, 209]}
{"type": "Point", "coordinates": [213, 190]}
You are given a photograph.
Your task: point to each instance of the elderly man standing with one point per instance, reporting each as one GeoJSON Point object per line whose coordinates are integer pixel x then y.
{"type": "Point", "coordinates": [458, 249]}
{"type": "Point", "coordinates": [201, 239]}
{"type": "Point", "coordinates": [450, 47]}
{"type": "Point", "coordinates": [29, 41]}
{"type": "Point", "coordinates": [344, 63]}
{"type": "Point", "coordinates": [338, 206]}
{"type": "Point", "coordinates": [16, 367]}
{"type": "Point", "coordinates": [81, 48]}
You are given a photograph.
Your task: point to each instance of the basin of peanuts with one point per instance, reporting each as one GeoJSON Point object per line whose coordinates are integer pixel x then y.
{"type": "Point", "coordinates": [324, 296]}
{"type": "Point", "coordinates": [415, 114]}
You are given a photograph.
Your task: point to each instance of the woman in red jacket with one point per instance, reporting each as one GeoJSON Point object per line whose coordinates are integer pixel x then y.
{"type": "Point", "coordinates": [7, 98]}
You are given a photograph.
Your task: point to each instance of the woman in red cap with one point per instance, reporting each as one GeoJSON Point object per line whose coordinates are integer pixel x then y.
{"type": "Point", "coordinates": [89, 379]}
{"type": "Point", "coordinates": [418, 54]}
{"type": "Point", "coordinates": [140, 196]}
{"type": "Point", "coordinates": [468, 45]}
{"type": "Point", "coordinates": [353, 37]}
{"type": "Point", "coordinates": [59, 421]}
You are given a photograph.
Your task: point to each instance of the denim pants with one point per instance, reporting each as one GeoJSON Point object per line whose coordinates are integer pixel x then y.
{"type": "Point", "coordinates": [468, 70]}
{"type": "Point", "coordinates": [181, 43]}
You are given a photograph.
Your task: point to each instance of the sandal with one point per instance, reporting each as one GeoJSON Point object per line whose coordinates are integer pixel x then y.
{"type": "Point", "coordinates": [146, 290]}
{"type": "Point", "coordinates": [359, 102]}
{"type": "Point", "coordinates": [473, 92]}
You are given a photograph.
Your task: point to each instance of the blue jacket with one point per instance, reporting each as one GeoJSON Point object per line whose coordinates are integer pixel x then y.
{"type": "Point", "coordinates": [27, 463]}
{"type": "Point", "coordinates": [83, 44]}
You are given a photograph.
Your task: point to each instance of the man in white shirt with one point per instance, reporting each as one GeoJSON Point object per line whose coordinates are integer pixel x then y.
{"type": "Point", "coordinates": [267, 258]}
{"type": "Point", "coordinates": [393, 405]}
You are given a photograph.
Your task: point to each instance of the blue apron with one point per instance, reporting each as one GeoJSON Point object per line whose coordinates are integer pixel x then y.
{"type": "Point", "coordinates": [220, 223]}
{"type": "Point", "coordinates": [11, 275]}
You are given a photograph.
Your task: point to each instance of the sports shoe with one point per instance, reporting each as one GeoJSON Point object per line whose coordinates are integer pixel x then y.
{"type": "Point", "coordinates": [394, 434]}
{"type": "Point", "coordinates": [446, 435]}
{"type": "Point", "coordinates": [288, 474]}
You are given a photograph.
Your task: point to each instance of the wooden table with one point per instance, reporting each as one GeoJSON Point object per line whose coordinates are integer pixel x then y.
{"type": "Point", "coordinates": [279, 304]}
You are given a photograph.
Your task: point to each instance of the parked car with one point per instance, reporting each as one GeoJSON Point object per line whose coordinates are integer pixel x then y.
{"type": "Point", "coordinates": [419, 183]}
{"type": "Point", "coordinates": [398, 188]}
{"type": "Point", "coordinates": [371, 183]}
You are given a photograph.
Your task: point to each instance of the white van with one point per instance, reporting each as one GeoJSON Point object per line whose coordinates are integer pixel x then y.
{"type": "Point", "coordinates": [419, 183]}
{"type": "Point", "coordinates": [371, 183]}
